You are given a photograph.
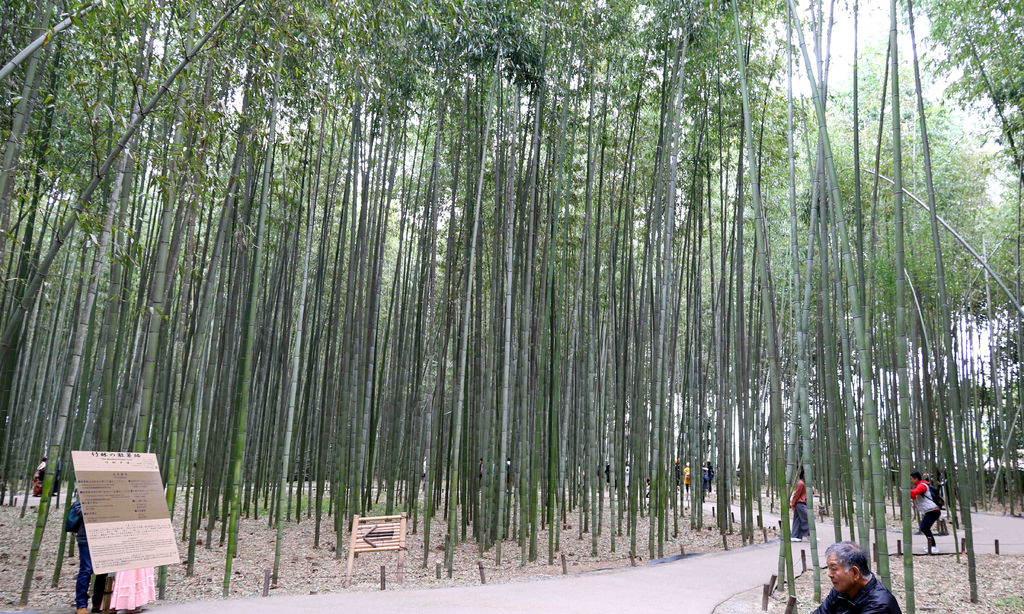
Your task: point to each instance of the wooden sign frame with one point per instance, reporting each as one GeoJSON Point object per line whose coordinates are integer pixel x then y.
{"type": "Point", "coordinates": [377, 534]}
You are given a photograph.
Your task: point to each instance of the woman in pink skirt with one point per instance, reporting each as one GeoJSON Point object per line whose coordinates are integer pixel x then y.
{"type": "Point", "coordinates": [133, 589]}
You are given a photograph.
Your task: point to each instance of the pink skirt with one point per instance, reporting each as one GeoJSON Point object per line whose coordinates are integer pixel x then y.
{"type": "Point", "coordinates": [133, 588]}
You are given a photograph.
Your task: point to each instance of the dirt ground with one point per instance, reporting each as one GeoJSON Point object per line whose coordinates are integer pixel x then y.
{"type": "Point", "coordinates": [305, 570]}
{"type": "Point", "coordinates": [940, 585]}
{"type": "Point", "coordinates": [941, 581]}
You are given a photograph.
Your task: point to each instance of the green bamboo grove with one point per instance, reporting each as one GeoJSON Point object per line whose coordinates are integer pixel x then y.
{"type": "Point", "coordinates": [499, 264]}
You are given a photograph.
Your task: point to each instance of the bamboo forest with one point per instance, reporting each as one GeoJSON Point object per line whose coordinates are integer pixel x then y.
{"type": "Point", "coordinates": [512, 267]}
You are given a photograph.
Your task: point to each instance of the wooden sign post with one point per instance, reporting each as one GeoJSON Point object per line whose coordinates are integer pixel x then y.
{"type": "Point", "coordinates": [377, 534]}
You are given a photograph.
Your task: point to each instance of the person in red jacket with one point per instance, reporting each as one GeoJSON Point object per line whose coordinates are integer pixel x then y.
{"type": "Point", "coordinates": [928, 509]}
{"type": "Point", "coordinates": [798, 503]}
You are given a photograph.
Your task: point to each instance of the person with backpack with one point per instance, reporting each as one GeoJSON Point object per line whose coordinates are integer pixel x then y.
{"type": "Point", "coordinates": [929, 505]}
{"type": "Point", "coordinates": [75, 524]}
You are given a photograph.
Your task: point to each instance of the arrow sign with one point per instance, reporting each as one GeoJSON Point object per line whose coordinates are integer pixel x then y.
{"type": "Point", "coordinates": [381, 534]}
{"type": "Point", "coordinates": [377, 534]}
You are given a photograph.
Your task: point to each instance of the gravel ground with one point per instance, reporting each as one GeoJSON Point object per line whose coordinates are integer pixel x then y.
{"type": "Point", "coordinates": [940, 585]}
{"type": "Point", "coordinates": [305, 570]}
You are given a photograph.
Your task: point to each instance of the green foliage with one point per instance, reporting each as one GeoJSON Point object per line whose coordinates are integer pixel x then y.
{"type": "Point", "coordinates": [1010, 604]}
{"type": "Point", "coordinates": [982, 42]}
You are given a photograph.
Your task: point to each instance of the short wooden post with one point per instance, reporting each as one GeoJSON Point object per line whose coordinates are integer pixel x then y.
{"type": "Point", "coordinates": [438, 571]}
{"type": "Point", "coordinates": [771, 584]}
{"type": "Point", "coordinates": [963, 544]}
{"type": "Point", "coordinates": [732, 515]}
{"type": "Point", "coordinates": [108, 592]}
{"type": "Point", "coordinates": [266, 582]}
{"type": "Point", "coordinates": [713, 511]}
{"type": "Point", "coordinates": [760, 521]}
{"type": "Point", "coordinates": [725, 542]}
{"type": "Point", "coordinates": [764, 533]}
{"type": "Point", "coordinates": [764, 598]}
{"type": "Point", "coordinates": [565, 568]}
{"type": "Point", "coordinates": [899, 547]}
{"type": "Point", "coordinates": [791, 605]}
{"type": "Point", "coordinates": [682, 550]}
{"type": "Point", "coordinates": [997, 546]}
{"type": "Point", "coordinates": [382, 585]}
{"type": "Point", "coordinates": [480, 566]}
{"type": "Point", "coordinates": [803, 561]}
{"type": "Point", "coordinates": [351, 551]}
{"type": "Point", "coordinates": [632, 559]}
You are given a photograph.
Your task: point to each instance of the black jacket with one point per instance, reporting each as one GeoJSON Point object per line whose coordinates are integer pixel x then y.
{"type": "Point", "coordinates": [874, 598]}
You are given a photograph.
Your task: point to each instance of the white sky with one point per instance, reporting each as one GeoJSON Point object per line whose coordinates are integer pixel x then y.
{"type": "Point", "coordinates": [873, 33]}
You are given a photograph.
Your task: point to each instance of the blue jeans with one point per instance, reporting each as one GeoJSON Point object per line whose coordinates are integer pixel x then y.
{"type": "Point", "coordinates": [85, 574]}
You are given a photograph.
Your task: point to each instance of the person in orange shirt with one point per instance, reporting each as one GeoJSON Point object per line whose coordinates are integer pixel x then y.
{"type": "Point", "coordinates": [798, 503]}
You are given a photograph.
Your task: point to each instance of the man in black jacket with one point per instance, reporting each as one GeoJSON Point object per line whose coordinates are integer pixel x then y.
{"type": "Point", "coordinates": [855, 590]}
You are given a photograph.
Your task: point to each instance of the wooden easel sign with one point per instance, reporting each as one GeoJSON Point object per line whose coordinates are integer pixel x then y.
{"type": "Point", "coordinates": [377, 534]}
{"type": "Point", "coordinates": [124, 510]}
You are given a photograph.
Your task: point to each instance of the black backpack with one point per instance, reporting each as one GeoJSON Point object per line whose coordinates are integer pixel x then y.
{"type": "Point", "coordinates": [74, 519]}
{"type": "Point", "coordinates": [936, 497]}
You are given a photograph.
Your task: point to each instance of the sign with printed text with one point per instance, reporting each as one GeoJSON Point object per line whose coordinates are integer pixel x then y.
{"type": "Point", "coordinates": [124, 509]}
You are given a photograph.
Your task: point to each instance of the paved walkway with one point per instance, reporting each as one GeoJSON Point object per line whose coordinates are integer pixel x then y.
{"type": "Point", "coordinates": [693, 584]}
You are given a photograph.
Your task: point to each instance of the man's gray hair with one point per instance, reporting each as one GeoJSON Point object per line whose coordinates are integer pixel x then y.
{"type": "Point", "coordinates": [849, 554]}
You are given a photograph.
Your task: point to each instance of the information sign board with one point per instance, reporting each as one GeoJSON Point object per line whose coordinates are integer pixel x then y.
{"type": "Point", "coordinates": [124, 509]}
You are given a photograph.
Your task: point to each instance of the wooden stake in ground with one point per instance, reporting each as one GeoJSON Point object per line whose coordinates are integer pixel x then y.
{"type": "Point", "coordinates": [791, 605]}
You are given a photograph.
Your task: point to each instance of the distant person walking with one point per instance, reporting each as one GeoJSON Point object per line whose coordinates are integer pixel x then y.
{"type": "Point", "coordinates": [854, 589]}
{"type": "Point", "coordinates": [924, 496]}
{"type": "Point", "coordinates": [38, 477]}
{"type": "Point", "coordinates": [798, 503]}
{"type": "Point", "coordinates": [707, 474]}
{"type": "Point", "coordinates": [686, 478]}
